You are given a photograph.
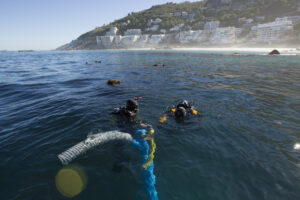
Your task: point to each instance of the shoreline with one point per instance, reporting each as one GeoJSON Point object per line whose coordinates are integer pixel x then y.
{"type": "Point", "coordinates": [219, 50]}
{"type": "Point", "coordinates": [234, 50]}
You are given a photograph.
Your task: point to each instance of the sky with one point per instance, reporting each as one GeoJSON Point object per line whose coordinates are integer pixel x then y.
{"type": "Point", "coordinates": [48, 24]}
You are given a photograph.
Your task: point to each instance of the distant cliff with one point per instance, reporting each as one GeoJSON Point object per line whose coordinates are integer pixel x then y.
{"type": "Point", "coordinates": [184, 23]}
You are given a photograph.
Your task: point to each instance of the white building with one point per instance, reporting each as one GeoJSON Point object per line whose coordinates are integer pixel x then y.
{"type": "Point", "coordinates": [184, 14]}
{"type": "Point", "coordinates": [245, 20]}
{"type": "Point", "coordinates": [223, 36]}
{"type": "Point", "coordinates": [157, 21]}
{"type": "Point", "coordinates": [154, 28]}
{"type": "Point", "coordinates": [163, 31]}
{"type": "Point", "coordinates": [201, 37]}
{"type": "Point", "coordinates": [176, 28]}
{"type": "Point", "coordinates": [238, 32]}
{"type": "Point", "coordinates": [156, 39]}
{"type": "Point", "coordinates": [129, 40]}
{"type": "Point", "coordinates": [211, 26]}
{"type": "Point", "coordinates": [105, 41]}
{"type": "Point", "coordinates": [133, 32]}
{"type": "Point", "coordinates": [271, 32]}
{"type": "Point", "coordinates": [112, 31]}
{"type": "Point", "coordinates": [185, 37]}
{"type": "Point", "coordinates": [142, 41]}
{"type": "Point", "coordinates": [293, 19]}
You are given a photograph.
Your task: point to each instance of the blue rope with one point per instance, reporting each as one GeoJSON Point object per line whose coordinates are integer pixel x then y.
{"type": "Point", "coordinates": [148, 174]}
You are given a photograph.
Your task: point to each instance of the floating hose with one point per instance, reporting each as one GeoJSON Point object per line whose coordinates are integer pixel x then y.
{"type": "Point", "coordinates": [140, 143]}
{"type": "Point", "coordinates": [94, 140]}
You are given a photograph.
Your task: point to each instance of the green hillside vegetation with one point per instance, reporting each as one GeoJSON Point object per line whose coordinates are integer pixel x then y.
{"type": "Point", "coordinates": [203, 10]}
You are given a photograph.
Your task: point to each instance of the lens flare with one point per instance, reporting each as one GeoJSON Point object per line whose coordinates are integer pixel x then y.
{"type": "Point", "coordinates": [70, 181]}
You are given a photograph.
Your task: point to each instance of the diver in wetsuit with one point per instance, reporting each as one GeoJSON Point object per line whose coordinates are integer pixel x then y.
{"type": "Point", "coordinates": [127, 122]}
{"type": "Point", "coordinates": [181, 111]}
{"type": "Point", "coordinates": [129, 111]}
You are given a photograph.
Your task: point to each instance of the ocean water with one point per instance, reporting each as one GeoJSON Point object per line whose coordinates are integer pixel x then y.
{"type": "Point", "coordinates": [241, 148]}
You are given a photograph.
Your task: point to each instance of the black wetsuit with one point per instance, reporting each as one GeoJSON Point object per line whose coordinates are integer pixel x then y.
{"type": "Point", "coordinates": [127, 122]}
{"type": "Point", "coordinates": [180, 112]}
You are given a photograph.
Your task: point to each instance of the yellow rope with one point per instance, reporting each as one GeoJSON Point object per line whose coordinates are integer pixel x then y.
{"type": "Point", "coordinates": [153, 147]}
{"type": "Point", "coordinates": [151, 156]}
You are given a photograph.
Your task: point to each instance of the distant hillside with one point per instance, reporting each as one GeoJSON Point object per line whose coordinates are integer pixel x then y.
{"type": "Point", "coordinates": [193, 15]}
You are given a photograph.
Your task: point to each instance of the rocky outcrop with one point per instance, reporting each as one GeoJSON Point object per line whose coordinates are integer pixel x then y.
{"type": "Point", "coordinates": [274, 52]}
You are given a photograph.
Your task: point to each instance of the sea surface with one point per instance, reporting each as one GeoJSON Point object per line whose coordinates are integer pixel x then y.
{"type": "Point", "coordinates": [242, 147]}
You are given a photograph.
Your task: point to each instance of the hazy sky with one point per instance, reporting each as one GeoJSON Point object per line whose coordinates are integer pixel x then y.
{"type": "Point", "coordinates": [47, 24]}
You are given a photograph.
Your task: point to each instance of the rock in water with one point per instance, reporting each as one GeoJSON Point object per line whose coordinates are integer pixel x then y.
{"type": "Point", "coordinates": [274, 52]}
{"type": "Point", "coordinates": [113, 82]}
